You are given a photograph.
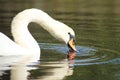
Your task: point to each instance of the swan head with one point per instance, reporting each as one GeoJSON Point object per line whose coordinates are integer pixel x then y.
{"type": "Point", "coordinates": [66, 34]}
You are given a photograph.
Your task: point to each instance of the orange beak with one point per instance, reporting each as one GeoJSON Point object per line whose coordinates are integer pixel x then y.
{"type": "Point", "coordinates": [71, 45]}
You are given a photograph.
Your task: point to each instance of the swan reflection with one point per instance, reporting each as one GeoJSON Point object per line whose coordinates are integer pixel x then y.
{"type": "Point", "coordinates": [70, 56]}
{"type": "Point", "coordinates": [60, 69]}
{"type": "Point", "coordinates": [55, 70]}
{"type": "Point", "coordinates": [46, 70]}
{"type": "Point", "coordinates": [20, 71]}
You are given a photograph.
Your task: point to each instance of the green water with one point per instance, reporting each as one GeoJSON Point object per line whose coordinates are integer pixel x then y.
{"type": "Point", "coordinates": [97, 27]}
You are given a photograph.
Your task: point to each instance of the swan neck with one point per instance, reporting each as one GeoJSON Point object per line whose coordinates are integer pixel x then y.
{"type": "Point", "coordinates": [22, 35]}
{"type": "Point", "coordinates": [20, 30]}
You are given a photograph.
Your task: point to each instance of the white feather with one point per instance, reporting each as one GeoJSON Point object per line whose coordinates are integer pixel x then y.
{"type": "Point", "coordinates": [24, 43]}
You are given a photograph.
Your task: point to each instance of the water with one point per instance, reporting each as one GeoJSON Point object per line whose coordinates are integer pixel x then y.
{"type": "Point", "coordinates": [97, 27]}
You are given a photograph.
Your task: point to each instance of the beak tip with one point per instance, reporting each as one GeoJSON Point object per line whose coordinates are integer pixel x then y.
{"type": "Point", "coordinates": [76, 51]}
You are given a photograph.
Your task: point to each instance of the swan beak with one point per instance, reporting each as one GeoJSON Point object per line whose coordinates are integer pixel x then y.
{"type": "Point", "coordinates": [71, 45]}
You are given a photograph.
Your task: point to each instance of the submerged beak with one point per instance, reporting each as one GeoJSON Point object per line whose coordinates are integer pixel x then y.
{"type": "Point", "coordinates": [71, 45]}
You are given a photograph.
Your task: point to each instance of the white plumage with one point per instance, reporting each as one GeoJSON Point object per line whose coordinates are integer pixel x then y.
{"type": "Point", "coordinates": [25, 44]}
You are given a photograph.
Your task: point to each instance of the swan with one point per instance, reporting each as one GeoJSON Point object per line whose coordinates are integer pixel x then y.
{"type": "Point", "coordinates": [24, 44]}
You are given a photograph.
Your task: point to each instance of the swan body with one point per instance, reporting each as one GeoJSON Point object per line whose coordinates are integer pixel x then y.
{"type": "Point", "coordinates": [24, 43]}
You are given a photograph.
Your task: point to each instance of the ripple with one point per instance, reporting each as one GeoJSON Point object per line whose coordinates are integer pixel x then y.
{"type": "Point", "coordinates": [87, 55]}
{"type": "Point", "coordinates": [100, 56]}
{"type": "Point", "coordinates": [64, 49]}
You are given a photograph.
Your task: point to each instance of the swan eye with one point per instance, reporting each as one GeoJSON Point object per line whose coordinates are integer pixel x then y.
{"type": "Point", "coordinates": [71, 36]}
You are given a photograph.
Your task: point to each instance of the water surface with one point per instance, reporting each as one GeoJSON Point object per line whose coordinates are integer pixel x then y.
{"type": "Point", "coordinates": [97, 28]}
